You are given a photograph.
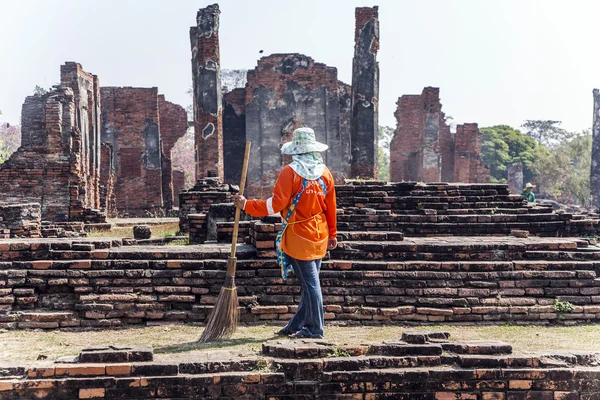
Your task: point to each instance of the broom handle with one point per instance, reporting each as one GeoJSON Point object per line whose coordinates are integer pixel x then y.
{"type": "Point", "coordinates": [237, 210]}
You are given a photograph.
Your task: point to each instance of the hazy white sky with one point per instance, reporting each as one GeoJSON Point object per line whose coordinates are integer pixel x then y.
{"type": "Point", "coordinates": [496, 61]}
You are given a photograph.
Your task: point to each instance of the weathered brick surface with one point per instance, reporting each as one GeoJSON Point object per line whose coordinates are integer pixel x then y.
{"type": "Point", "coordinates": [201, 197]}
{"type": "Point", "coordinates": [20, 220]}
{"type": "Point", "coordinates": [468, 166]}
{"type": "Point", "coordinates": [303, 369]}
{"type": "Point", "coordinates": [130, 123]}
{"type": "Point", "coordinates": [371, 278]}
{"type": "Point", "coordinates": [424, 149]}
{"type": "Point", "coordinates": [173, 125]}
{"type": "Point", "coordinates": [178, 185]}
{"type": "Point", "coordinates": [57, 164]}
{"type": "Point", "coordinates": [208, 111]}
{"type": "Point", "coordinates": [234, 134]}
{"type": "Point", "coordinates": [108, 200]}
{"type": "Point", "coordinates": [285, 92]}
{"type": "Point", "coordinates": [365, 93]}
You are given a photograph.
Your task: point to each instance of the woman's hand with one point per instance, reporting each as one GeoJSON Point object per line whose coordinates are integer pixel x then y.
{"type": "Point", "coordinates": [239, 201]}
{"type": "Point", "coordinates": [332, 244]}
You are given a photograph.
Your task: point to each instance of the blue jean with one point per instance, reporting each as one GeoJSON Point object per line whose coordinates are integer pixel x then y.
{"type": "Point", "coordinates": [309, 318]}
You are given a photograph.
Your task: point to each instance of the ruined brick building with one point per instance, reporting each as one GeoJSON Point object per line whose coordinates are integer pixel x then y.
{"type": "Point", "coordinates": [141, 128]}
{"type": "Point", "coordinates": [424, 149]}
{"type": "Point", "coordinates": [284, 92]}
{"type": "Point", "coordinates": [80, 154]}
{"type": "Point", "coordinates": [58, 163]}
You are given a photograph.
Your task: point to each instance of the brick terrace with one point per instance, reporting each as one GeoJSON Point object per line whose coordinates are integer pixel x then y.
{"type": "Point", "coordinates": [419, 365]}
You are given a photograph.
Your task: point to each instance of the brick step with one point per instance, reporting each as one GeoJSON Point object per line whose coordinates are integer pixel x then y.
{"type": "Point", "coordinates": [39, 319]}
{"type": "Point", "coordinates": [269, 267]}
{"type": "Point", "coordinates": [465, 218]}
{"type": "Point", "coordinates": [369, 235]}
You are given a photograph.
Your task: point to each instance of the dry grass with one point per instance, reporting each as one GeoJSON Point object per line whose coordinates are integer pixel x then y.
{"type": "Point", "coordinates": [162, 230]}
{"type": "Point", "coordinates": [27, 345]}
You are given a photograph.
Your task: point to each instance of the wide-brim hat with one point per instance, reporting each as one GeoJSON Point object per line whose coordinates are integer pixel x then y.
{"type": "Point", "coordinates": [529, 185]}
{"type": "Point", "coordinates": [303, 141]}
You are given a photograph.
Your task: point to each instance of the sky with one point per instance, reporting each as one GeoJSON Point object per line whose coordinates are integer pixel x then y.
{"type": "Point", "coordinates": [495, 61]}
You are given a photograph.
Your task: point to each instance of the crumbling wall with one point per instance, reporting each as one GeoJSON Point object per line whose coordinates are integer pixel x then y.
{"type": "Point", "coordinates": [57, 164]}
{"type": "Point", "coordinates": [234, 134]}
{"type": "Point", "coordinates": [365, 93]}
{"type": "Point", "coordinates": [130, 123]}
{"type": "Point", "coordinates": [206, 74]}
{"type": "Point", "coordinates": [424, 149]}
{"type": "Point", "coordinates": [20, 220]}
{"type": "Point", "coordinates": [285, 92]}
{"type": "Point", "coordinates": [86, 92]}
{"type": "Point", "coordinates": [415, 148]}
{"type": "Point", "coordinates": [108, 201]}
{"type": "Point", "coordinates": [595, 167]}
{"type": "Point", "coordinates": [178, 185]}
{"type": "Point", "coordinates": [173, 126]}
{"type": "Point", "coordinates": [468, 166]}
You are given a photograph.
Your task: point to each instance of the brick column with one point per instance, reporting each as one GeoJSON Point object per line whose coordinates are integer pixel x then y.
{"type": "Point", "coordinates": [365, 93]}
{"type": "Point", "coordinates": [595, 169]}
{"type": "Point", "coordinates": [206, 74]}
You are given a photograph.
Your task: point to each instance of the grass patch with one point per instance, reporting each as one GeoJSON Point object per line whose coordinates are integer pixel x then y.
{"type": "Point", "coordinates": [175, 340]}
{"type": "Point", "coordinates": [161, 230]}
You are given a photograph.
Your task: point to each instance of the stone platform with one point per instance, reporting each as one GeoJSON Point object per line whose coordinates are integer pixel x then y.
{"type": "Point", "coordinates": [419, 365]}
{"type": "Point", "coordinates": [98, 282]}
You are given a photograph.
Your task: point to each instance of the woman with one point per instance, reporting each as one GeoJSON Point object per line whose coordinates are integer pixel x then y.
{"type": "Point", "coordinates": [304, 195]}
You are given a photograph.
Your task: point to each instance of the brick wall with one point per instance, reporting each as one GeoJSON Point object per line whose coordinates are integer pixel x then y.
{"type": "Point", "coordinates": [206, 74]}
{"type": "Point", "coordinates": [424, 149]}
{"type": "Point", "coordinates": [86, 91]}
{"type": "Point", "coordinates": [468, 166]}
{"type": "Point", "coordinates": [284, 92]}
{"type": "Point", "coordinates": [234, 134]}
{"type": "Point", "coordinates": [57, 163]}
{"type": "Point", "coordinates": [20, 220]}
{"type": "Point", "coordinates": [178, 185]}
{"type": "Point", "coordinates": [130, 123]}
{"type": "Point", "coordinates": [173, 125]}
{"type": "Point", "coordinates": [108, 200]}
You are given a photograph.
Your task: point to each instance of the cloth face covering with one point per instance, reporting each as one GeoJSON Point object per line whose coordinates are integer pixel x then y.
{"type": "Point", "coordinates": [310, 166]}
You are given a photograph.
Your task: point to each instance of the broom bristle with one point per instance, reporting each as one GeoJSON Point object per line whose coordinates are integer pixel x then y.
{"type": "Point", "coordinates": [223, 320]}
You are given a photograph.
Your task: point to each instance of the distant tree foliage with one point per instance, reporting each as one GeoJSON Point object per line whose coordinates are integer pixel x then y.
{"type": "Point", "coordinates": [546, 132]}
{"type": "Point", "coordinates": [557, 160]}
{"type": "Point", "coordinates": [182, 156]}
{"type": "Point", "coordinates": [563, 171]}
{"type": "Point", "coordinates": [383, 153]}
{"type": "Point", "coordinates": [39, 91]}
{"type": "Point", "coordinates": [503, 146]}
{"type": "Point", "coordinates": [10, 140]}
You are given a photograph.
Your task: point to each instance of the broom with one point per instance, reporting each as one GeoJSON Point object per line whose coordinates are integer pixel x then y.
{"type": "Point", "coordinates": [223, 320]}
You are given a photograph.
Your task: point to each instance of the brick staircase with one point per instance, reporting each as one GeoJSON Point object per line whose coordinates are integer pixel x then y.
{"type": "Point", "coordinates": [371, 278]}
{"type": "Point", "coordinates": [419, 365]}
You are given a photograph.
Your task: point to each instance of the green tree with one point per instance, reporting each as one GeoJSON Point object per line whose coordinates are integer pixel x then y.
{"type": "Point", "coordinates": [383, 153]}
{"type": "Point", "coordinates": [39, 91]}
{"type": "Point", "coordinates": [563, 171]}
{"type": "Point", "coordinates": [503, 146]}
{"type": "Point", "coordinates": [10, 140]}
{"type": "Point", "coordinates": [547, 132]}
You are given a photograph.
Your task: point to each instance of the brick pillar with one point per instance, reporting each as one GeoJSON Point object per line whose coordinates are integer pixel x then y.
{"type": "Point", "coordinates": [432, 158]}
{"type": "Point", "coordinates": [595, 169]}
{"type": "Point", "coordinates": [206, 74]}
{"type": "Point", "coordinates": [515, 178]}
{"type": "Point", "coordinates": [365, 93]}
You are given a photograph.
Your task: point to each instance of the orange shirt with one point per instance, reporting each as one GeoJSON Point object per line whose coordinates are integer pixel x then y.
{"type": "Point", "coordinates": [315, 213]}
